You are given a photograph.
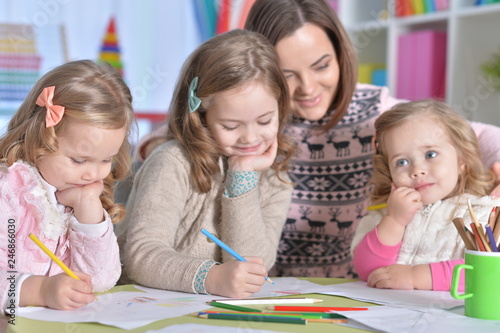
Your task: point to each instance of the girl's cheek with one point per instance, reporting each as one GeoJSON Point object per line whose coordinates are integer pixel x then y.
{"type": "Point", "coordinates": [270, 134]}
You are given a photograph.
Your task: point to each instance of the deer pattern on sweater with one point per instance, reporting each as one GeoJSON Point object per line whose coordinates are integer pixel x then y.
{"type": "Point", "coordinates": [330, 175]}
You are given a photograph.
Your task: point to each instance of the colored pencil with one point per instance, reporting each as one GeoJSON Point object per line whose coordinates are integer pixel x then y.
{"type": "Point", "coordinates": [53, 257]}
{"type": "Point", "coordinates": [232, 307]}
{"type": "Point", "coordinates": [493, 218]}
{"type": "Point", "coordinates": [333, 321]}
{"type": "Point", "coordinates": [376, 207]}
{"type": "Point", "coordinates": [459, 224]}
{"type": "Point", "coordinates": [312, 308]}
{"type": "Point", "coordinates": [283, 320]}
{"type": "Point", "coordinates": [249, 301]}
{"type": "Point", "coordinates": [496, 229]}
{"type": "Point", "coordinates": [479, 227]}
{"type": "Point", "coordinates": [479, 241]}
{"type": "Point", "coordinates": [471, 238]}
{"type": "Point", "coordinates": [491, 238]}
{"type": "Point", "coordinates": [275, 314]}
{"type": "Point", "coordinates": [227, 248]}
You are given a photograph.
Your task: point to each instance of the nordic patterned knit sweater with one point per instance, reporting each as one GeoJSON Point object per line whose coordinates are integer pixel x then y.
{"type": "Point", "coordinates": [430, 238]}
{"type": "Point", "coordinates": [161, 242]}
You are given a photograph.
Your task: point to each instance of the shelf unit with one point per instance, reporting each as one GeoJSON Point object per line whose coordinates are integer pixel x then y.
{"type": "Point", "coordinates": [473, 37]}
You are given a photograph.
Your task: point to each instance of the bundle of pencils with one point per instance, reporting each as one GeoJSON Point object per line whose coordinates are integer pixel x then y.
{"type": "Point", "coordinates": [480, 239]}
{"type": "Point", "coordinates": [288, 317]}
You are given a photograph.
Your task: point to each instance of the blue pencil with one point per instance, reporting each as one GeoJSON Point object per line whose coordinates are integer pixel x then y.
{"type": "Point", "coordinates": [227, 248]}
{"type": "Point", "coordinates": [493, 243]}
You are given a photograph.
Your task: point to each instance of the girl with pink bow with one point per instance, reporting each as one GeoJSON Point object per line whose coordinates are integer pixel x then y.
{"type": "Point", "coordinates": [62, 153]}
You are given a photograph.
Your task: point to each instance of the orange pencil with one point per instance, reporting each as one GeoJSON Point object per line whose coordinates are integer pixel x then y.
{"type": "Point", "coordinates": [479, 242]}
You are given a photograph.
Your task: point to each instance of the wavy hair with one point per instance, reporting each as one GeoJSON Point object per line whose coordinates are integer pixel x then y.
{"type": "Point", "coordinates": [92, 94]}
{"type": "Point", "coordinates": [277, 19]}
{"type": "Point", "coordinates": [224, 62]}
{"type": "Point", "coordinates": [475, 178]}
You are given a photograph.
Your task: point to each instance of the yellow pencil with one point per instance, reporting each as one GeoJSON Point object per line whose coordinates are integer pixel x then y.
{"type": "Point", "coordinates": [376, 207]}
{"type": "Point", "coordinates": [53, 257]}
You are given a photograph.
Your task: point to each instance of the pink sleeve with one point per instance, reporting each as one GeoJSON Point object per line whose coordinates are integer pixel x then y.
{"type": "Point", "coordinates": [371, 254]}
{"type": "Point", "coordinates": [489, 142]}
{"type": "Point", "coordinates": [442, 272]}
{"type": "Point", "coordinates": [97, 256]}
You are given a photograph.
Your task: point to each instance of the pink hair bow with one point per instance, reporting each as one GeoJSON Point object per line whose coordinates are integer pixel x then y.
{"type": "Point", "coordinates": [54, 112]}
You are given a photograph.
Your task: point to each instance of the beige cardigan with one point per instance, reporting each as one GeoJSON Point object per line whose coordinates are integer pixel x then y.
{"type": "Point", "coordinates": [160, 239]}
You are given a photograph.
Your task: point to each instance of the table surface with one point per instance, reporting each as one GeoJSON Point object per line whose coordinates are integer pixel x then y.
{"type": "Point", "coordinates": [24, 325]}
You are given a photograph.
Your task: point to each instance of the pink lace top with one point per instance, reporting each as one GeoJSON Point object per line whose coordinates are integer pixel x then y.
{"type": "Point", "coordinates": [28, 205]}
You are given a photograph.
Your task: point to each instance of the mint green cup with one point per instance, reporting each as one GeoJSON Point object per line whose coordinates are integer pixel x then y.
{"type": "Point", "coordinates": [482, 284]}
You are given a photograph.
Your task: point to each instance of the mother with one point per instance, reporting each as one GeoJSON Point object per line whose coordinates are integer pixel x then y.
{"type": "Point", "coordinates": [334, 125]}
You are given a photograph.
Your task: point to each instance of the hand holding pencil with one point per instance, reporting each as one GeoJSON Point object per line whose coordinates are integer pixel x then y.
{"type": "Point", "coordinates": [65, 291]}
{"type": "Point", "coordinates": [238, 278]}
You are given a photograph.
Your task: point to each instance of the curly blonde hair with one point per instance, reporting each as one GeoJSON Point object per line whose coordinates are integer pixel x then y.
{"type": "Point", "coordinates": [475, 178]}
{"type": "Point", "coordinates": [92, 94]}
{"type": "Point", "coordinates": [224, 62]}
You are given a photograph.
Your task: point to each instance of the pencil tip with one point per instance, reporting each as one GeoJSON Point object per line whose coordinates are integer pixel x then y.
{"type": "Point", "coordinates": [269, 280]}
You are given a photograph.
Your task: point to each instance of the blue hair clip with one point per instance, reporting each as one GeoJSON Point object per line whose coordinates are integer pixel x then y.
{"type": "Point", "coordinates": [194, 101]}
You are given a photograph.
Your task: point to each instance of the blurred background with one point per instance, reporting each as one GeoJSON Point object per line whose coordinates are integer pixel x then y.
{"type": "Point", "coordinates": [443, 49]}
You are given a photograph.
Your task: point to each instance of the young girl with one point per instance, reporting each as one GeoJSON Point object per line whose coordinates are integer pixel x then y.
{"type": "Point", "coordinates": [223, 168]}
{"type": "Point", "coordinates": [59, 159]}
{"type": "Point", "coordinates": [427, 165]}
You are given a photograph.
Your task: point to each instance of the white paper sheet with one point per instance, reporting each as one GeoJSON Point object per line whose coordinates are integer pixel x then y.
{"type": "Point", "coordinates": [291, 286]}
{"type": "Point", "coordinates": [412, 299]}
{"type": "Point", "coordinates": [125, 309]}
{"type": "Point", "coordinates": [396, 320]}
{"type": "Point", "coordinates": [130, 310]}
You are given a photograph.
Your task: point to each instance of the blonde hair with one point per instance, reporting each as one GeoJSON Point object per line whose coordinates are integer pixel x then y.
{"type": "Point", "coordinates": [92, 94]}
{"type": "Point", "coordinates": [474, 179]}
{"type": "Point", "coordinates": [277, 19]}
{"type": "Point", "coordinates": [224, 62]}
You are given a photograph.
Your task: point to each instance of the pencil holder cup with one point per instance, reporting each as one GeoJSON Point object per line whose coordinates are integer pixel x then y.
{"type": "Point", "coordinates": [482, 287]}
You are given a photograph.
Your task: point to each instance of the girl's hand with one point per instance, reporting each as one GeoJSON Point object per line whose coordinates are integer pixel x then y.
{"type": "Point", "coordinates": [236, 279]}
{"type": "Point", "coordinates": [402, 204]}
{"type": "Point", "coordinates": [85, 202]}
{"type": "Point", "coordinates": [254, 162]}
{"type": "Point", "coordinates": [391, 277]}
{"type": "Point", "coordinates": [401, 277]}
{"type": "Point", "coordinates": [59, 292]}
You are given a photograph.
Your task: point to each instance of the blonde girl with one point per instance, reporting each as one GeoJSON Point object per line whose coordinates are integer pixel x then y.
{"type": "Point", "coordinates": [63, 150]}
{"type": "Point", "coordinates": [427, 165]}
{"type": "Point", "coordinates": [223, 168]}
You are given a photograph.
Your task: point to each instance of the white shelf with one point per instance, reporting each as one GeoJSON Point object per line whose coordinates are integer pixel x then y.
{"type": "Point", "coordinates": [472, 39]}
